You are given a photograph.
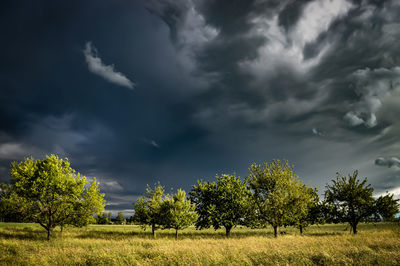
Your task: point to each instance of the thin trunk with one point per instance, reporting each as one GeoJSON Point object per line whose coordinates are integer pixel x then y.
{"type": "Point", "coordinates": [354, 228]}
{"type": "Point", "coordinates": [62, 228]}
{"type": "Point", "coordinates": [275, 231]}
{"type": "Point", "coordinates": [176, 234]}
{"type": "Point", "coordinates": [50, 226]}
{"type": "Point", "coordinates": [228, 231]}
{"type": "Point", "coordinates": [49, 231]}
{"type": "Point", "coordinates": [301, 229]}
{"type": "Point", "coordinates": [153, 230]}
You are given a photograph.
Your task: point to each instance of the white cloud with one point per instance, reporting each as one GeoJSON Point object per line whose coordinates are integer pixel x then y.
{"type": "Point", "coordinates": [353, 119]}
{"type": "Point", "coordinates": [286, 48]}
{"type": "Point", "coordinates": [107, 72]}
{"type": "Point", "coordinates": [317, 17]}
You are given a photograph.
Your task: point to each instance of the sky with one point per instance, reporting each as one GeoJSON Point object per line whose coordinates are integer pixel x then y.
{"type": "Point", "coordinates": [136, 92]}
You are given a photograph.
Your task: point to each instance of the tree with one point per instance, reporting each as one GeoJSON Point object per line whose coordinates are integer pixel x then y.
{"type": "Point", "coordinates": [120, 218]}
{"type": "Point", "coordinates": [109, 218]}
{"type": "Point", "coordinates": [220, 204]}
{"type": "Point", "coordinates": [148, 209]}
{"type": "Point", "coordinates": [387, 207]}
{"type": "Point", "coordinates": [178, 213]}
{"type": "Point", "coordinates": [102, 218]}
{"type": "Point", "coordinates": [312, 213]}
{"type": "Point", "coordinates": [351, 199]}
{"type": "Point", "coordinates": [52, 194]}
{"type": "Point", "coordinates": [7, 212]}
{"type": "Point", "coordinates": [278, 194]}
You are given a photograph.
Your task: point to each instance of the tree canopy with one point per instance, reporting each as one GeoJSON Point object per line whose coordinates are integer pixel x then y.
{"type": "Point", "coordinates": [311, 214]}
{"type": "Point", "coordinates": [178, 212]}
{"type": "Point", "coordinates": [148, 209]}
{"type": "Point", "coordinates": [120, 218]}
{"type": "Point", "coordinates": [387, 207]}
{"type": "Point", "coordinates": [279, 196]}
{"type": "Point", "coordinates": [52, 194]}
{"type": "Point", "coordinates": [351, 199]}
{"type": "Point", "coordinates": [220, 204]}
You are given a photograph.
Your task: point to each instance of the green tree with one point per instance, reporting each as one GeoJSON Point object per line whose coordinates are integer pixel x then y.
{"type": "Point", "coordinates": [277, 194]}
{"type": "Point", "coordinates": [52, 194]}
{"type": "Point", "coordinates": [102, 218]}
{"type": "Point", "coordinates": [351, 199]}
{"type": "Point", "coordinates": [120, 218]}
{"type": "Point", "coordinates": [220, 204]}
{"type": "Point", "coordinates": [312, 214]}
{"type": "Point", "coordinates": [178, 212]}
{"type": "Point", "coordinates": [6, 212]}
{"type": "Point", "coordinates": [148, 209]}
{"type": "Point", "coordinates": [109, 218]}
{"type": "Point", "coordinates": [387, 207]}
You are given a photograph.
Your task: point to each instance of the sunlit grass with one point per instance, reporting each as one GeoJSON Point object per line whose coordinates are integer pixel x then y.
{"type": "Point", "coordinates": [129, 244]}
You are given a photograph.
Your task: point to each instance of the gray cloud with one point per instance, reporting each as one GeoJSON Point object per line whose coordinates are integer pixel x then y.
{"type": "Point", "coordinates": [154, 144]}
{"type": "Point", "coordinates": [317, 131]}
{"type": "Point", "coordinates": [107, 72]}
{"type": "Point", "coordinates": [372, 87]}
{"type": "Point", "coordinates": [388, 161]}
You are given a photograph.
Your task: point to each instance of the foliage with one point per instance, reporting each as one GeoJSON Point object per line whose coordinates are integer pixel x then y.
{"type": "Point", "coordinates": [52, 194]}
{"type": "Point", "coordinates": [7, 212]}
{"type": "Point", "coordinates": [279, 197]}
{"type": "Point", "coordinates": [312, 214]}
{"type": "Point", "coordinates": [148, 209]}
{"type": "Point", "coordinates": [120, 218]}
{"type": "Point", "coordinates": [104, 218]}
{"type": "Point", "coordinates": [220, 204]}
{"type": "Point", "coordinates": [387, 207]}
{"type": "Point", "coordinates": [178, 212]}
{"type": "Point", "coordinates": [351, 199]}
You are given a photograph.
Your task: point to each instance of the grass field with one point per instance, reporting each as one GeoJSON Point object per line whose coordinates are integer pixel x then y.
{"type": "Point", "coordinates": [26, 244]}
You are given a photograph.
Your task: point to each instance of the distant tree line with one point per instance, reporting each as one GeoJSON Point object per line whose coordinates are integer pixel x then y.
{"type": "Point", "coordinates": [51, 193]}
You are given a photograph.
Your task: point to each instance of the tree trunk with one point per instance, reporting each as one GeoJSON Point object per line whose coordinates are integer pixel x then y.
{"type": "Point", "coordinates": [301, 229]}
{"type": "Point", "coordinates": [354, 226]}
{"type": "Point", "coordinates": [275, 231]}
{"type": "Point", "coordinates": [228, 231]}
{"type": "Point", "coordinates": [49, 233]}
{"type": "Point", "coordinates": [153, 230]}
{"type": "Point", "coordinates": [62, 228]}
{"type": "Point", "coordinates": [176, 234]}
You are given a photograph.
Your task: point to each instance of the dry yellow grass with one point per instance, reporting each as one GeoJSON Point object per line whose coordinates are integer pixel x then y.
{"type": "Point", "coordinates": [25, 244]}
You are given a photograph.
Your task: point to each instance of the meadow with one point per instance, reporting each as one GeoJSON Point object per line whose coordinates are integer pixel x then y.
{"type": "Point", "coordinates": [26, 244]}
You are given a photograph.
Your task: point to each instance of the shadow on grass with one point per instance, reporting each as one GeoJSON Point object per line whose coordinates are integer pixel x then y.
{"type": "Point", "coordinates": [324, 234]}
{"type": "Point", "coordinates": [169, 235]}
{"type": "Point", "coordinates": [24, 234]}
{"type": "Point", "coordinates": [21, 234]}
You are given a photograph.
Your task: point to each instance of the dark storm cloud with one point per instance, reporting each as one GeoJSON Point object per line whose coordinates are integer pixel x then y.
{"type": "Point", "coordinates": [295, 65]}
{"type": "Point", "coordinates": [218, 85]}
{"type": "Point", "coordinates": [51, 103]}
